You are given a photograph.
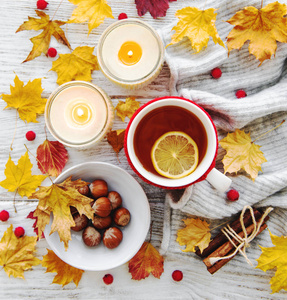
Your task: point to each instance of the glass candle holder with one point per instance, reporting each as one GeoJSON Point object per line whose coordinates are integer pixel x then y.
{"type": "Point", "coordinates": [79, 114]}
{"type": "Point", "coordinates": [130, 53]}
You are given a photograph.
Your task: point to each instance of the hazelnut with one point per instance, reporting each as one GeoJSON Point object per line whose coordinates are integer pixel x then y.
{"type": "Point", "coordinates": [115, 198]}
{"type": "Point", "coordinates": [122, 216]}
{"type": "Point", "coordinates": [91, 236]}
{"type": "Point", "coordinates": [102, 207]}
{"type": "Point", "coordinates": [81, 221]}
{"type": "Point", "coordinates": [112, 237]}
{"type": "Point", "coordinates": [102, 222]}
{"type": "Point", "coordinates": [73, 210]}
{"type": "Point", "coordinates": [99, 188]}
{"type": "Point", "coordinates": [84, 190]}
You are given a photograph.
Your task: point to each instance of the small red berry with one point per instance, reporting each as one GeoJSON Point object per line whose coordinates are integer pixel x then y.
{"type": "Point", "coordinates": [108, 279]}
{"type": "Point", "coordinates": [122, 16]}
{"type": "Point", "coordinates": [177, 275]}
{"type": "Point", "coordinates": [30, 135]}
{"type": "Point", "coordinates": [52, 52]}
{"type": "Point", "coordinates": [42, 4]}
{"type": "Point", "coordinates": [4, 215]}
{"type": "Point", "coordinates": [232, 195]}
{"type": "Point", "coordinates": [240, 94]}
{"type": "Point", "coordinates": [216, 73]}
{"type": "Point", "coordinates": [19, 231]}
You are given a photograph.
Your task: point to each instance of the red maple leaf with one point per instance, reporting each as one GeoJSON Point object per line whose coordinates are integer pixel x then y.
{"type": "Point", "coordinates": [31, 216]}
{"type": "Point", "coordinates": [157, 8]}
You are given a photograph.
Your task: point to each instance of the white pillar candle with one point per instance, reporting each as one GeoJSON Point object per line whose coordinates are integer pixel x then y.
{"type": "Point", "coordinates": [130, 53]}
{"type": "Point", "coordinates": [78, 114]}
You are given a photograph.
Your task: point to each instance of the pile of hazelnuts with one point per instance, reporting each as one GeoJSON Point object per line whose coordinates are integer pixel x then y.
{"type": "Point", "coordinates": [108, 218]}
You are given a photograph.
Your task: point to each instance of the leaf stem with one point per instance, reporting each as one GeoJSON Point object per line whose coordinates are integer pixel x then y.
{"type": "Point", "coordinates": [261, 3]}
{"type": "Point", "coordinates": [57, 9]}
{"type": "Point", "coordinates": [219, 225]}
{"type": "Point", "coordinates": [11, 148]}
{"type": "Point", "coordinates": [14, 200]}
{"type": "Point", "coordinates": [150, 232]}
{"type": "Point", "coordinates": [260, 136]}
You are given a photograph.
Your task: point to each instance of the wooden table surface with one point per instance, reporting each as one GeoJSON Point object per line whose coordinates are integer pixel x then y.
{"type": "Point", "coordinates": [14, 48]}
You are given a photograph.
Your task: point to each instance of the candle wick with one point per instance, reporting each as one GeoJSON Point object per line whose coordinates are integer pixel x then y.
{"type": "Point", "coordinates": [130, 53]}
{"type": "Point", "coordinates": [80, 112]}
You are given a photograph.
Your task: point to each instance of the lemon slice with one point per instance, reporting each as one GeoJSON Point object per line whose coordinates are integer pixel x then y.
{"type": "Point", "coordinates": [174, 155]}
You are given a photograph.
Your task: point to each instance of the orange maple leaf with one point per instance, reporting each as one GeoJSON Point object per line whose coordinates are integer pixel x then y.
{"type": "Point", "coordinates": [52, 157]}
{"type": "Point", "coordinates": [146, 261]}
{"type": "Point", "coordinates": [116, 139]}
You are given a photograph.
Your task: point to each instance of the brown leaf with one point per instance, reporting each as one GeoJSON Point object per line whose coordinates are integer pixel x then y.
{"type": "Point", "coordinates": [116, 139]}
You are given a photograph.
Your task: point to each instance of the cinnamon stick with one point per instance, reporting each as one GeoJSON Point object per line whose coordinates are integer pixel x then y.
{"type": "Point", "coordinates": [220, 238]}
{"type": "Point", "coordinates": [215, 267]}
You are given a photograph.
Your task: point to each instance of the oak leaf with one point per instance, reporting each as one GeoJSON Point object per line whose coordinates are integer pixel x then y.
{"type": "Point", "coordinates": [19, 177]}
{"type": "Point", "coordinates": [242, 153]}
{"type": "Point", "coordinates": [195, 234]}
{"type": "Point", "coordinates": [26, 99]}
{"type": "Point", "coordinates": [65, 272]}
{"type": "Point", "coordinates": [261, 27]}
{"type": "Point", "coordinates": [198, 25]}
{"type": "Point", "coordinates": [50, 28]}
{"type": "Point", "coordinates": [146, 261]}
{"type": "Point", "coordinates": [52, 157]}
{"type": "Point", "coordinates": [57, 199]}
{"type": "Point", "coordinates": [157, 8]}
{"type": "Point", "coordinates": [116, 139]}
{"type": "Point", "coordinates": [127, 108]}
{"type": "Point", "coordinates": [275, 257]}
{"type": "Point", "coordinates": [77, 65]}
{"type": "Point", "coordinates": [94, 11]}
{"type": "Point", "coordinates": [17, 254]}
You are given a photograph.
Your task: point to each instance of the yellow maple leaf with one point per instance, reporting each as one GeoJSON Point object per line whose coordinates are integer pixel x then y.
{"type": "Point", "coordinates": [198, 25]}
{"type": "Point", "coordinates": [78, 65]}
{"type": "Point", "coordinates": [242, 153]}
{"type": "Point", "coordinates": [261, 27]}
{"type": "Point", "coordinates": [26, 99]}
{"type": "Point", "coordinates": [65, 272]}
{"type": "Point", "coordinates": [41, 42]}
{"type": "Point", "coordinates": [127, 108]}
{"type": "Point", "coordinates": [275, 257]}
{"type": "Point", "coordinates": [195, 233]}
{"type": "Point", "coordinates": [94, 11]}
{"type": "Point", "coordinates": [17, 254]}
{"type": "Point", "coordinates": [146, 261]}
{"type": "Point", "coordinates": [19, 177]}
{"type": "Point", "coordinates": [57, 199]}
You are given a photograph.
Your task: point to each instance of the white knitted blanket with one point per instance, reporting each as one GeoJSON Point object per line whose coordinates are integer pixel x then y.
{"type": "Point", "coordinates": [264, 107]}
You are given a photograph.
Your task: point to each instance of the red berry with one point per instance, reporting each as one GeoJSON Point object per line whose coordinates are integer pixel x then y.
{"type": "Point", "coordinates": [108, 279]}
{"type": "Point", "coordinates": [4, 215]}
{"type": "Point", "coordinates": [52, 52]}
{"type": "Point", "coordinates": [177, 275]}
{"type": "Point", "coordinates": [240, 94]}
{"type": "Point", "coordinates": [19, 231]}
{"type": "Point", "coordinates": [30, 135]}
{"type": "Point", "coordinates": [232, 195]}
{"type": "Point", "coordinates": [216, 73]}
{"type": "Point", "coordinates": [42, 4]}
{"type": "Point", "coordinates": [122, 16]}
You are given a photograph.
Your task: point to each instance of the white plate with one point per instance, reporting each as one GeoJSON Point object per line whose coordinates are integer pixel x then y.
{"type": "Point", "coordinates": [134, 199]}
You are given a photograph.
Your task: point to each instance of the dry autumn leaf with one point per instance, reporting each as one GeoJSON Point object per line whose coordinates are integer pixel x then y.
{"type": "Point", "coordinates": [26, 99]}
{"type": "Point", "coordinates": [157, 8]}
{"type": "Point", "coordinates": [50, 28]}
{"type": "Point", "coordinates": [198, 25]}
{"type": "Point", "coordinates": [17, 254]}
{"type": "Point", "coordinates": [275, 257]}
{"type": "Point", "coordinates": [78, 65]}
{"type": "Point", "coordinates": [261, 27]}
{"type": "Point", "coordinates": [146, 261]}
{"type": "Point", "coordinates": [116, 139]}
{"type": "Point", "coordinates": [65, 272]}
{"type": "Point", "coordinates": [242, 153]}
{"type": "Point", "coordinates": [52, 157]}
{"type": "Point", "coordinates": [93, 11]}
{"type": "Point", "coordinates": [196, 233]}
{"type": "Point", "coordinates": [127, 108]}
{"type": "Point", "coordinates": [31, 216]}
{"type": "Point", "coordinates": [19, 177]}
{"type": "Point", "coordinates": [57, 199]}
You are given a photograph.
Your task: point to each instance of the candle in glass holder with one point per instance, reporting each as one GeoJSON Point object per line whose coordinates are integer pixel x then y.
{"type": "Point", "coordinates": [78, 114]}
{"type": "Point", "coordinates": [130, 53]}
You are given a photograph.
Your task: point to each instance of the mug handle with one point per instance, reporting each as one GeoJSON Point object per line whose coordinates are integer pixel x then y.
{"type": "Point", "coordinates": [218, 180]}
